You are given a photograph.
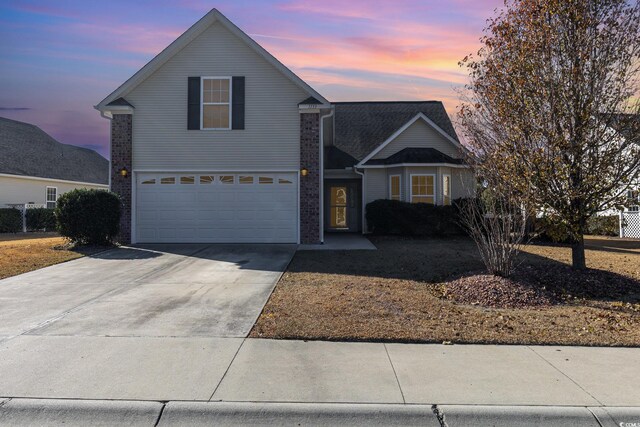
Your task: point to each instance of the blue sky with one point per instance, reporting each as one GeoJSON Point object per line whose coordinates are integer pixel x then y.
{"type": "Point", "coordinates": [59, 58]}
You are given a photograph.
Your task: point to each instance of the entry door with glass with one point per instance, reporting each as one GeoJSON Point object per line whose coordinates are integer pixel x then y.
{"type": "Point", "coordinates": [342, 208]}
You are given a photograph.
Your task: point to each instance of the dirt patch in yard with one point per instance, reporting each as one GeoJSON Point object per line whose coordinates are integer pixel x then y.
{"type": "Point", "coordinates": [20, 253]}
{"type": "Point", "coordinates": [398, 293]}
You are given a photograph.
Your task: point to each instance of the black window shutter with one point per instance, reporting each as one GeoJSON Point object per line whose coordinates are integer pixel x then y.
{"type": "Point", "coordinates": [193, 107]}
{"type": "Point", "coordinates": [237, 103]}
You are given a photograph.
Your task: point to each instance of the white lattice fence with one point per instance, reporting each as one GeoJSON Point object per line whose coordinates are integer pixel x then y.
{"type": "Point", "coordinates": [22, 207]}
{"type": "Point", "coordinates": [630, 224]}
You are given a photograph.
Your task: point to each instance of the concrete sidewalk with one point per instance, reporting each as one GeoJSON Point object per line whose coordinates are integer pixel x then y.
{"type": "Point", "coordinates": [315, 382]}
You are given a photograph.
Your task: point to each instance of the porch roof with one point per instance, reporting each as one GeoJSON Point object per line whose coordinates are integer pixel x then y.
{"type": "Point", "coordinates": [416, 155]}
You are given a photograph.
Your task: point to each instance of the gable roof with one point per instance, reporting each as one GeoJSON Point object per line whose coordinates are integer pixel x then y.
{"type": "Point", "coordinates": [193, 32]}
{"type": "Point", "coordinates": [416, 155]}
{"type": "Point", "coordinates": [27, 150]}
{"type": "Point", "coordinates": [361, 127]}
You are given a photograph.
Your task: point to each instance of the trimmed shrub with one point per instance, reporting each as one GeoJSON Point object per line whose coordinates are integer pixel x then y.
{"type": "Point", "coordinates": [549, 229]}
{"type": "Point", "coordinates": [604, 225]}
{"type": "Point", "coordinates": [413, 219]}
{"type": "Point", "coordinates": [41, 219]}
{"type": "Point", "coordinates": [10, 220]}
{"type": "Point", "coordinates": [90, 217]}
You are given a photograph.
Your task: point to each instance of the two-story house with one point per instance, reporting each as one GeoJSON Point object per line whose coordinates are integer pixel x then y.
{"type": "Point", "coordinates": [215, 140]}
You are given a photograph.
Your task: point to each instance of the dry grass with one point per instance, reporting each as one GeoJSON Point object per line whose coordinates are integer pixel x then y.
{"type": "Point", "coordinates": [20, 253]}
{"type": "Point", "coordinates": [396, 294]}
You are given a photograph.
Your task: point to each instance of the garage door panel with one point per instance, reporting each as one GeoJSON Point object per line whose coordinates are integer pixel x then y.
{"type": "Point", "coordinates": [264, 211]}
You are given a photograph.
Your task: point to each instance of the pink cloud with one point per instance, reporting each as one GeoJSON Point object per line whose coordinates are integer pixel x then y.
{"type": "Point", "coordinates": [127, 38]}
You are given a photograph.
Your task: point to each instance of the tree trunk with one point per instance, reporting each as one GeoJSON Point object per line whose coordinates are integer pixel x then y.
{"type": "Point", "coordinates": [577, 254]}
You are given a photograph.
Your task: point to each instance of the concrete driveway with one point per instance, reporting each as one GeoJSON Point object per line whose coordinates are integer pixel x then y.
{"type": "Point", "coordinates": [151, 290]}
{"type": "Point", "coordinates": [151, 322]}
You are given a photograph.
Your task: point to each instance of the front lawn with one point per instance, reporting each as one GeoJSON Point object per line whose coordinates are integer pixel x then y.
{"type": "Point", "coordinates": [402, 292]}
{"type": "Point", "coordinates": [23, 252]}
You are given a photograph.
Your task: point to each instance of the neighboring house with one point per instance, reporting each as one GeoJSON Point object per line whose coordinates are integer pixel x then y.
{"type": "Point", "coordinates": [225, 144]}
{"type": "Point", "coordinates": [37, 169]}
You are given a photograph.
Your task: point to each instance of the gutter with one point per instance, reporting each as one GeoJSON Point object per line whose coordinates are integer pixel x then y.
{"type": "Point", "coordinates": [321, 196]}
{"type": "Point", "coordinates": [364, 184]}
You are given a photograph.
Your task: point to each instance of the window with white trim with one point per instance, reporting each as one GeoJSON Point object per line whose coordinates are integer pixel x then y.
{"type": "Point", "coordinates": [446, 189]}
{"type": "Point", "coordinates": [394, 187]}
{"type": "Point", "coordinates": [51, 197]}
{"type": "Point", "coordinates": [216, 103]}
{"type": "Point", "coordinates": [423, 189]}
{"type": "Point", "coordinates": [634, 199]}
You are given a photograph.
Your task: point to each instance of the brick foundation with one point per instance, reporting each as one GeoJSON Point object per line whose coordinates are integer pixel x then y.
{"type": "Point", "coordinates": [121, 155]}
{"type": "Point", "coordinates": [310, 184]}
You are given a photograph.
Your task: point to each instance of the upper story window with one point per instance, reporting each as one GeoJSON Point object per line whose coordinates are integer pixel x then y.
{"type": "Point", "coordinates": [52, 197]}
{"type": "Point", "coordinates": [394, 187]}
{"type": "Point", "coordinates": [216, 103]}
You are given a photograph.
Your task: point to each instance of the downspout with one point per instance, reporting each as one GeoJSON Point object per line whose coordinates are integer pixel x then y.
{"type": "Point", "coordinates": [321, 228]}
{"type": "Point", "coordinates": [364, 184]}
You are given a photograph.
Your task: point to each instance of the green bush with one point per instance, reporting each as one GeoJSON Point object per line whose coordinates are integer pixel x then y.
{"type": "Point", "coordinates": [550, 229]}
{"type": "Point", "coordinates": [604, 225]}
{"type": "Point", "coordinates": [89, 216]}
{"type": "Point", "coordinates": [41, 219]}
{"type": "Point", "coordinates": [10, 220]}
{"type": "Point", "coordinates": [413, 219]}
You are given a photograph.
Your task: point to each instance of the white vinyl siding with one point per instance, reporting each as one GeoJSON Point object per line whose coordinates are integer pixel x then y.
{"type": "Point", "coordinates": [376, 185]}
{"type": "Point", "coordinates": [23, 190]}
{"type": "Point", "coordinates": [419, 135]}
{"type": "Point", "coordinates": [270, 140]}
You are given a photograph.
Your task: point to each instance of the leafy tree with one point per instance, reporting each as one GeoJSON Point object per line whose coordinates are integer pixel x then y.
{"type": "Point", "coordinates": [551, 107]}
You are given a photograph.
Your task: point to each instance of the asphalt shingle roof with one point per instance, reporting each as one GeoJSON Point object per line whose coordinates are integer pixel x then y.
{"type": "Point", "coordinates": [310, 101]}
{"type": "Point", "coordinates": [360, 127]}
{"type": "Point", "coordinates": [119, 102]}
{"type": "Point", "coordinates": [334, 158]}
{"type": "Point", "coordinates": [25, 149]}
{"type": "Point", "coordinates": [416, 155]}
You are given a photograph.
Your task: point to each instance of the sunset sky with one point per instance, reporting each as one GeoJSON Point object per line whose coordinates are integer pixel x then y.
{"type": "Point", "coordinates": [59, 58]}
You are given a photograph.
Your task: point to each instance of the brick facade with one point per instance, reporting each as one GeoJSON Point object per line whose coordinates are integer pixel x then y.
{"type": "Point", "coordinates": [121, 156]}
{"type": "Point", "coordinates": [310, 184]}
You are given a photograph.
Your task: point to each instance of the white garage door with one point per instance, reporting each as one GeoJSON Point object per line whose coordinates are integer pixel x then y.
{"type": "Point", "coordinates": [216, 207]}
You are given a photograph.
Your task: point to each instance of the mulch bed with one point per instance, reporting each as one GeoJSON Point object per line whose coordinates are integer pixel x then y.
{"type": "Point", "coordinates": [535, 286]}
{"type": "Point", "coordinates": [487, 290]}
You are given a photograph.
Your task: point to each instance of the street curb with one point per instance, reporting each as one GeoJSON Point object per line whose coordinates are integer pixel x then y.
{"type": "Point", "coordinates": [40, 412]}
{"type": "Point", "coordinates": [72, 412]}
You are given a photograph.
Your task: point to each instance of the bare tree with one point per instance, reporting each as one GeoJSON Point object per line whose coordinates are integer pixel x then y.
{"type": "Point", "coordinates": [497, 222]}
{"type": "Point", "coordinates": [552, 103]}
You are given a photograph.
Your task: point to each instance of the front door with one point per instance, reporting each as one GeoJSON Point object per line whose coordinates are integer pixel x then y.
{"type": "Point", "coordinates": [342, 206]}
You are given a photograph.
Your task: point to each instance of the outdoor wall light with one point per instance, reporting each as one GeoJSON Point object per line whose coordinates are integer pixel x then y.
{"type": "Point", "coordinates": [124, 172]}
{"type": "Point", "coordinates": [304, 171]}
